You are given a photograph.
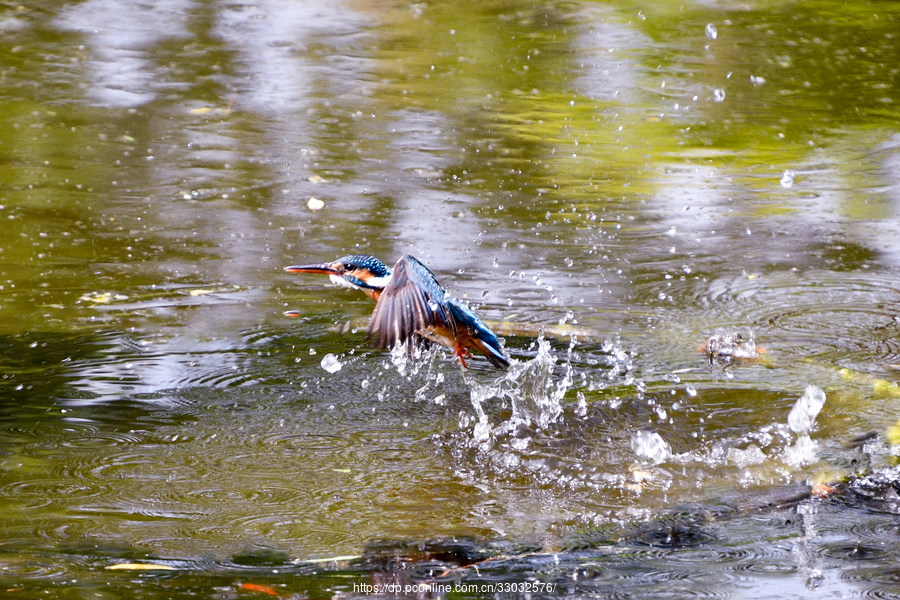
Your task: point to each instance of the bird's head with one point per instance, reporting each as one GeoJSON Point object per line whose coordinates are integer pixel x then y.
{"type": "Point", "coordinates": [356, 271]}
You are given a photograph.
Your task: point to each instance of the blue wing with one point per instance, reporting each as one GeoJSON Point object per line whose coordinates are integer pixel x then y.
{"type": "Point", "coordinates": [412, 302]}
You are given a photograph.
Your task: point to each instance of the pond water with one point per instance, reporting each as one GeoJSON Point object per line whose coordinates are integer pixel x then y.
{"type": "Point", "coordinates": [607, 184]}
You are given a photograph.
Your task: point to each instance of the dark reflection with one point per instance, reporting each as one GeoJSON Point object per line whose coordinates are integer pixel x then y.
{"type": "Point", "coordinates": [260, 557]}
{"type": "Point", "coordinates": [674, 537]}
{"type": "Point", "coordinates": [39, 367]}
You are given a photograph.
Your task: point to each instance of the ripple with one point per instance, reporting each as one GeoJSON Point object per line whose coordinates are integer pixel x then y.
{"type": "Point", "coordinates": [872, 527]}
{"type": "Point", "coordinates": [104, 439]}
{"type": "Point", "coordinates": [880, 575]}
{"type": "Point", "coordinates": [767, 568]}
{"type": "Point", "coordinates": [857, 552]}
{"type": "Point", "coordinates": [310, 442]}
{"type": "Point", "coordinates": [431, 571]}
{"type": "Point", "coordinates": [674, 537]}
{"type": "Point", "coordinates": [41, 493]}
{"type": "Point", "coordinates": [652, 586]}
{"type": "Point", "coordinates": [792, 307]}
{"type": "Point", "coordinates": [704, 556]}
{"type": "Point", "coordinates": [145, 371]}
{"type": "Point", "coordinates": [13, 569]}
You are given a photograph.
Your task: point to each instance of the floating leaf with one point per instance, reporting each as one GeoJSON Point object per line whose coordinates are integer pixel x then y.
{"type": "Point", "coordinates": [139, 567]}
{"type": "Point", "coordinates": [255, 587]}
{"type": "Point", "coordinates": [822, 490]}
{"type": "Point", "coordinates": [102, 298]}
{"type": "Point", "coordinates": [316, 561]}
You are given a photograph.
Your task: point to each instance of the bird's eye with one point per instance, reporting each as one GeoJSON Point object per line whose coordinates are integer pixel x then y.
{"type": "Point", "coordinates": [349, 266]}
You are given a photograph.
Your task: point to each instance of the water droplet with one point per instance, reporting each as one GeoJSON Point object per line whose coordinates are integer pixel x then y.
{"type": "Point", "coordinates": [581, 409]}
{"type": "Point", "coordinates": [312, 351]}
{"type": "Point", "coordinates": [496, 262]}
{"type": "Point", "coordinates": [719, 95]}
{"type": "Point", "coordinates": [691, 391]}
{"type": "Point", "coordinates": [520, 443]}
{"type": "Point", "coordinates": [461, 271]}
{"type": "Point", "coordinates": [757, 80]}
{"type": "Point", "coordinates": [711, 31]}
{"type": "Point", "coordinates": [331, 363]}
{"type": "Point", "coordinates": [803, 415]}
{"type": "Point", "coordinates": [482, 431]}
{"type": "Point", "coordinates": [649, 444]}
{"type": "Point", "coordinates": [569, 262]}
{"type": "Point", "coordinates": [787, 179]}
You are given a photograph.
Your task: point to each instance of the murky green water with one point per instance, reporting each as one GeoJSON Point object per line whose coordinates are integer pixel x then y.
{"type": "Point", "coordinates": [641, 175]}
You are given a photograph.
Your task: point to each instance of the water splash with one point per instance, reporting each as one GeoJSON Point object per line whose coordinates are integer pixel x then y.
{"type": "Point", "coordinates": [650, 445]}
{"type": "Point", "coordinates": [801, 420]}
{"type": "Point", "coordinates": [331, 363]}
{"type": "Point", "coordinates": [803, 415]}
{"type": "Point", "coordinates": [787, 179]}
{"type": "Point", "coordinates": [529, 386]}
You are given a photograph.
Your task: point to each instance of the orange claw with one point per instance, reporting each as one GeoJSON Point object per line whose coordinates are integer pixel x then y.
{"type": "Point", "coordinates": [460, 353]}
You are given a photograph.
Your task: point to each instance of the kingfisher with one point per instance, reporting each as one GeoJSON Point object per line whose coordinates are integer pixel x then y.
{"type": "Point", "coordinates": [411, 306]}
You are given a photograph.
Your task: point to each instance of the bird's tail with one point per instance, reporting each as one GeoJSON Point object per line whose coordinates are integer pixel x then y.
{"type": "Point", "coordinates": [481, 336]}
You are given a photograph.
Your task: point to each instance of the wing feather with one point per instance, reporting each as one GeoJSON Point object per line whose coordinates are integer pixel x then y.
{"type": "Point", "coordinates": [412, 302]}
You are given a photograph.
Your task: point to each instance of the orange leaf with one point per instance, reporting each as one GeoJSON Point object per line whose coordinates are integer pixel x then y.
{"type": "Point", "coordinates": [255, 587]}
{"type": "Point", "coordinates": [821, 490]}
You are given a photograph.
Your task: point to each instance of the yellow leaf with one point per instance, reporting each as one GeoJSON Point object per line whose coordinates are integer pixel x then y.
{"type": "Point", "coordinates": [332, 559]}
{"type": "Point", "coordinates": [139, 567]}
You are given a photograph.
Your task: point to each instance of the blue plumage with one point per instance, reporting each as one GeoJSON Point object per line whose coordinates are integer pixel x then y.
{"type": "Point", "coordinates": [411, 306]}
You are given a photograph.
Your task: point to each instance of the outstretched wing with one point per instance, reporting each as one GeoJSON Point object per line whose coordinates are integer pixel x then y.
{"type": "Point", "coordinates": [412, 302]}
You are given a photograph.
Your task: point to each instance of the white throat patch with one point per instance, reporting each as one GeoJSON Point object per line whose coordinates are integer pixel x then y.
{"type": "Point", "coordinates": [379, 282]}
{"type": "Point", "coordinates": [341, 282]}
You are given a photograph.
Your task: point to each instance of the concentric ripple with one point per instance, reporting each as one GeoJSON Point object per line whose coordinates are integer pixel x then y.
{"type": "Point", "coordinates": [834, 317]}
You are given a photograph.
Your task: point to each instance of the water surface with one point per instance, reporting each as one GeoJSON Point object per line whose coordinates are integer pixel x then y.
{"type": "Point", "coordinates": [630, 178]}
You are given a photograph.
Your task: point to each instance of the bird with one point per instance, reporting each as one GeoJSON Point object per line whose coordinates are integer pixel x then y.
{"type": "Point", "coordinates": [411, 306]}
